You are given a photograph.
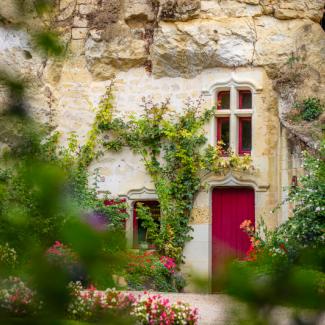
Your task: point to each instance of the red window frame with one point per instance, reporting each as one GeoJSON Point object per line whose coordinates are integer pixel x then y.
{"type": "Point", "coordinates": [241, 151]}
{"type": "Point", "coordinates": [135, 221]}
{"type": "Point", "coordinates": [240, 98]}
{"type": "Point", "coordinates": [219, 98]}
{"type": "Point", "coordinates": [220, 121]}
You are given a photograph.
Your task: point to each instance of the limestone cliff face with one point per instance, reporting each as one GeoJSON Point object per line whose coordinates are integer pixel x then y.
{"type": "Point", "coordinates": [178, 38]}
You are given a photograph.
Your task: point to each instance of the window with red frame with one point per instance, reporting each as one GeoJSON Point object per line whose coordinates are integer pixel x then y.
{"type": "Point", "coordinates": [245, 135]}
{"type": "Point", "coordinates": [223, 100]}
{"type": "Point", "coordinates": [223, 132]}
{"type": "Point", "coordinates": [139, 231]}
{"type": "Point", "coordinates": [245, 99]}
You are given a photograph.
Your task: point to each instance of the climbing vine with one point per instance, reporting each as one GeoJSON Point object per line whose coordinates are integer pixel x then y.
{"type": "Point", "coordinates": [172, 148]}
{"type": "Point", "coordinates": [89, 150]}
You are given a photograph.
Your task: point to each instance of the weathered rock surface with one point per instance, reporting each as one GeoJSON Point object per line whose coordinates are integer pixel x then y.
{"type": "Point", "coordinates": [139, 10]}
{"type": "Point", "coordinates": [16, 54]}
{"type": "Point", "coordinates": [185, 49]}
{"type": "Point", "coordinates": [118, 48]}
{"type": "Point", "coordinates": [18, 59]}
{"type": "Point", "coordinates": [180, 10]}
{"type": "Point", "coordinates": [281, 9]}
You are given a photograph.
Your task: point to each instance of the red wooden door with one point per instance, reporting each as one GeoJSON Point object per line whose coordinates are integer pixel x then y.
{"type": "Point", "coordinates": [230, 207]}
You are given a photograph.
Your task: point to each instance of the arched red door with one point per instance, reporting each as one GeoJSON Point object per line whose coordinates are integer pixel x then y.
{"type": "Point", "coordinates": [230, 207]}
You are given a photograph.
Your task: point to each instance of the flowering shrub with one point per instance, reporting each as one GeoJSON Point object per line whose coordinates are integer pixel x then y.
{"type": "Point", "coordinates": [8, 256]}
{"type": "Point", "coordinates": [62, 256]}
{"type": "Point", "coordinates": [156, 310]}
{"type": "Point", "coordinates": [16, 298]}
{"type": "Point", "coordinates": [91, 304]}
{"type": "Point", "coordinates": [169, 263]}
{"type": "Point", "coordinates": [148, 271]}
{"type": "Point", "coordinates": [116, 209]}
{"type": "Point", "coordinates": [259, 246]}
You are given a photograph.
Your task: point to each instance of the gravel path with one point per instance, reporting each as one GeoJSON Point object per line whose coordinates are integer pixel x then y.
{"type": "Point", "coordinates": [213, 309]}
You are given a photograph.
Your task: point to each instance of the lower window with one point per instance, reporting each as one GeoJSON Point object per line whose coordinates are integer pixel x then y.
{"type": "Point", "coordinates": [245, 135]}
{"type": "Point", "coordinates": [139, 230]}
{"type": "Point", "coordinates": [223, 132]}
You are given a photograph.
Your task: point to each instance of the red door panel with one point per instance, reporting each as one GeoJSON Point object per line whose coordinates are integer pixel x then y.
{"type": "Point", "coordinates": [230, 207]}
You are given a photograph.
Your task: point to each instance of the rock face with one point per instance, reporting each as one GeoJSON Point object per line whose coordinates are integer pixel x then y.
{"type": "Point", "coordinates": [182, 38]}
{"type": "Point", "coordinates": [179, 9]}
{"type": "Point", "coordinates": [116, 49]}
{"type": "Point", "coordinates": [186, 48]}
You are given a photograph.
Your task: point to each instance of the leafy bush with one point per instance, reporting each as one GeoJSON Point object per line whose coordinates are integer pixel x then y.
{"type": "Point", "coordinates": [8, 256]}
{"type": "Point", "coordinates": [309, 109]}
{"type": "Point", "coordinates": [157, 310]}
{"type": "Point", "coordinates": [149, 271]}
{"type": "Point", "coordinates": [62, 256]}
{"type": "Point", "coordinates": [91, 305]}
{"type": "Point", "coordinates": [16, 299]}
{"type": "Point", "coordinates": [305, 229]}
{"type": "Point", "coordinates": [45, 188]}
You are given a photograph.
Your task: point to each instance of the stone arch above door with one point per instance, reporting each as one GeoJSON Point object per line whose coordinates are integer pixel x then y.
{"type": "Point", "coordinates": [233, 179]}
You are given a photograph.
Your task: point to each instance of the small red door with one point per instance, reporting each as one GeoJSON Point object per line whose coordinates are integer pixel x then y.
{"type": "Point", "coordinates": [230, 207]}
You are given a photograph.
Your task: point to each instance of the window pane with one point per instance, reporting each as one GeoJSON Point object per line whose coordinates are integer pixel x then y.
{"type": "Point", "coordinates": [225, 133]}
{"type": "Point", "coordinates": [224, 100]}
{"type": "Point", "coordinates": [155, 212]}
{"type": "Point", "coordinates": [246, 126]}
{"type": "Point", "coordinates": [245, 98]}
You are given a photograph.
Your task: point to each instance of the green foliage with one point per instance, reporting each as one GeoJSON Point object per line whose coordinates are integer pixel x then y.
{"type": "Point", "coordinates": [309, 109]}
{"type": "Point", "coordinates": [147, 272]}
{"type": "Point", "coordinates": [103, 116]}
{"type": "Point", "coordinates": [306, 228]}
{"type": "Point", "coordinates": [285, 266]}
{"type": "Point", "coordinates": [49, 42]}
{"type": "Point", "coordinates": [171, 147]}
{"type": "Point", "coordinates": [144, 214]}
{"type": "Point", "coordinates": [28, 206]}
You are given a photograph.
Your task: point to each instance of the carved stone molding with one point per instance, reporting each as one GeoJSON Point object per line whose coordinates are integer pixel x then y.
{"type": "Point", "coordinates": [141, 194]}
{"type": "Point", "coordinates": [234, 179]}
{"type": "Point", "coordinates": [232, 82]}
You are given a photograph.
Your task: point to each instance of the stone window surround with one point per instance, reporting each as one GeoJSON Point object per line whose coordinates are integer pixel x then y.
{"type": "Point", "coordinates": [233, 85]}
{"type": "Point", "coordinates": [234, 113]}
{"type": "Point", "coordinates": [133, 196]}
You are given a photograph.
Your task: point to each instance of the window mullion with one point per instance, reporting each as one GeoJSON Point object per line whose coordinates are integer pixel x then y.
{"type": "Point", "coordinates": [233, 121]}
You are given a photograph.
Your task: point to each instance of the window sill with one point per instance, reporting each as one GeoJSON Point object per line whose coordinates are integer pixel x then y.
{"type": "Point", "coordinates": [221, 112]}
{"type": "Point", "coordinates": [244, 153]}
{"type": "Point", "coordinates": [244, 112]}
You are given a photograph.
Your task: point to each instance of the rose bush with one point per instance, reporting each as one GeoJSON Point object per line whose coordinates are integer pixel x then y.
{"type": "Point", "coordinates": [149, 271]}
{"type": "Point", "coordinates": [156, 310]}
{"type": "Point", "coordinates": [17, 299]}
{"type": "Point", "coordinates": [92, 304]}
{"type": "Point", "coordinates": [64, 257]}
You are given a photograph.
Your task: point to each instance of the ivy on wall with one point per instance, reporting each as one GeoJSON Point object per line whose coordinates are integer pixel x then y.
{"type": "Point", "coordinates": [89, 150]}
{"type": "Point", "coordinates": [173, 148]}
